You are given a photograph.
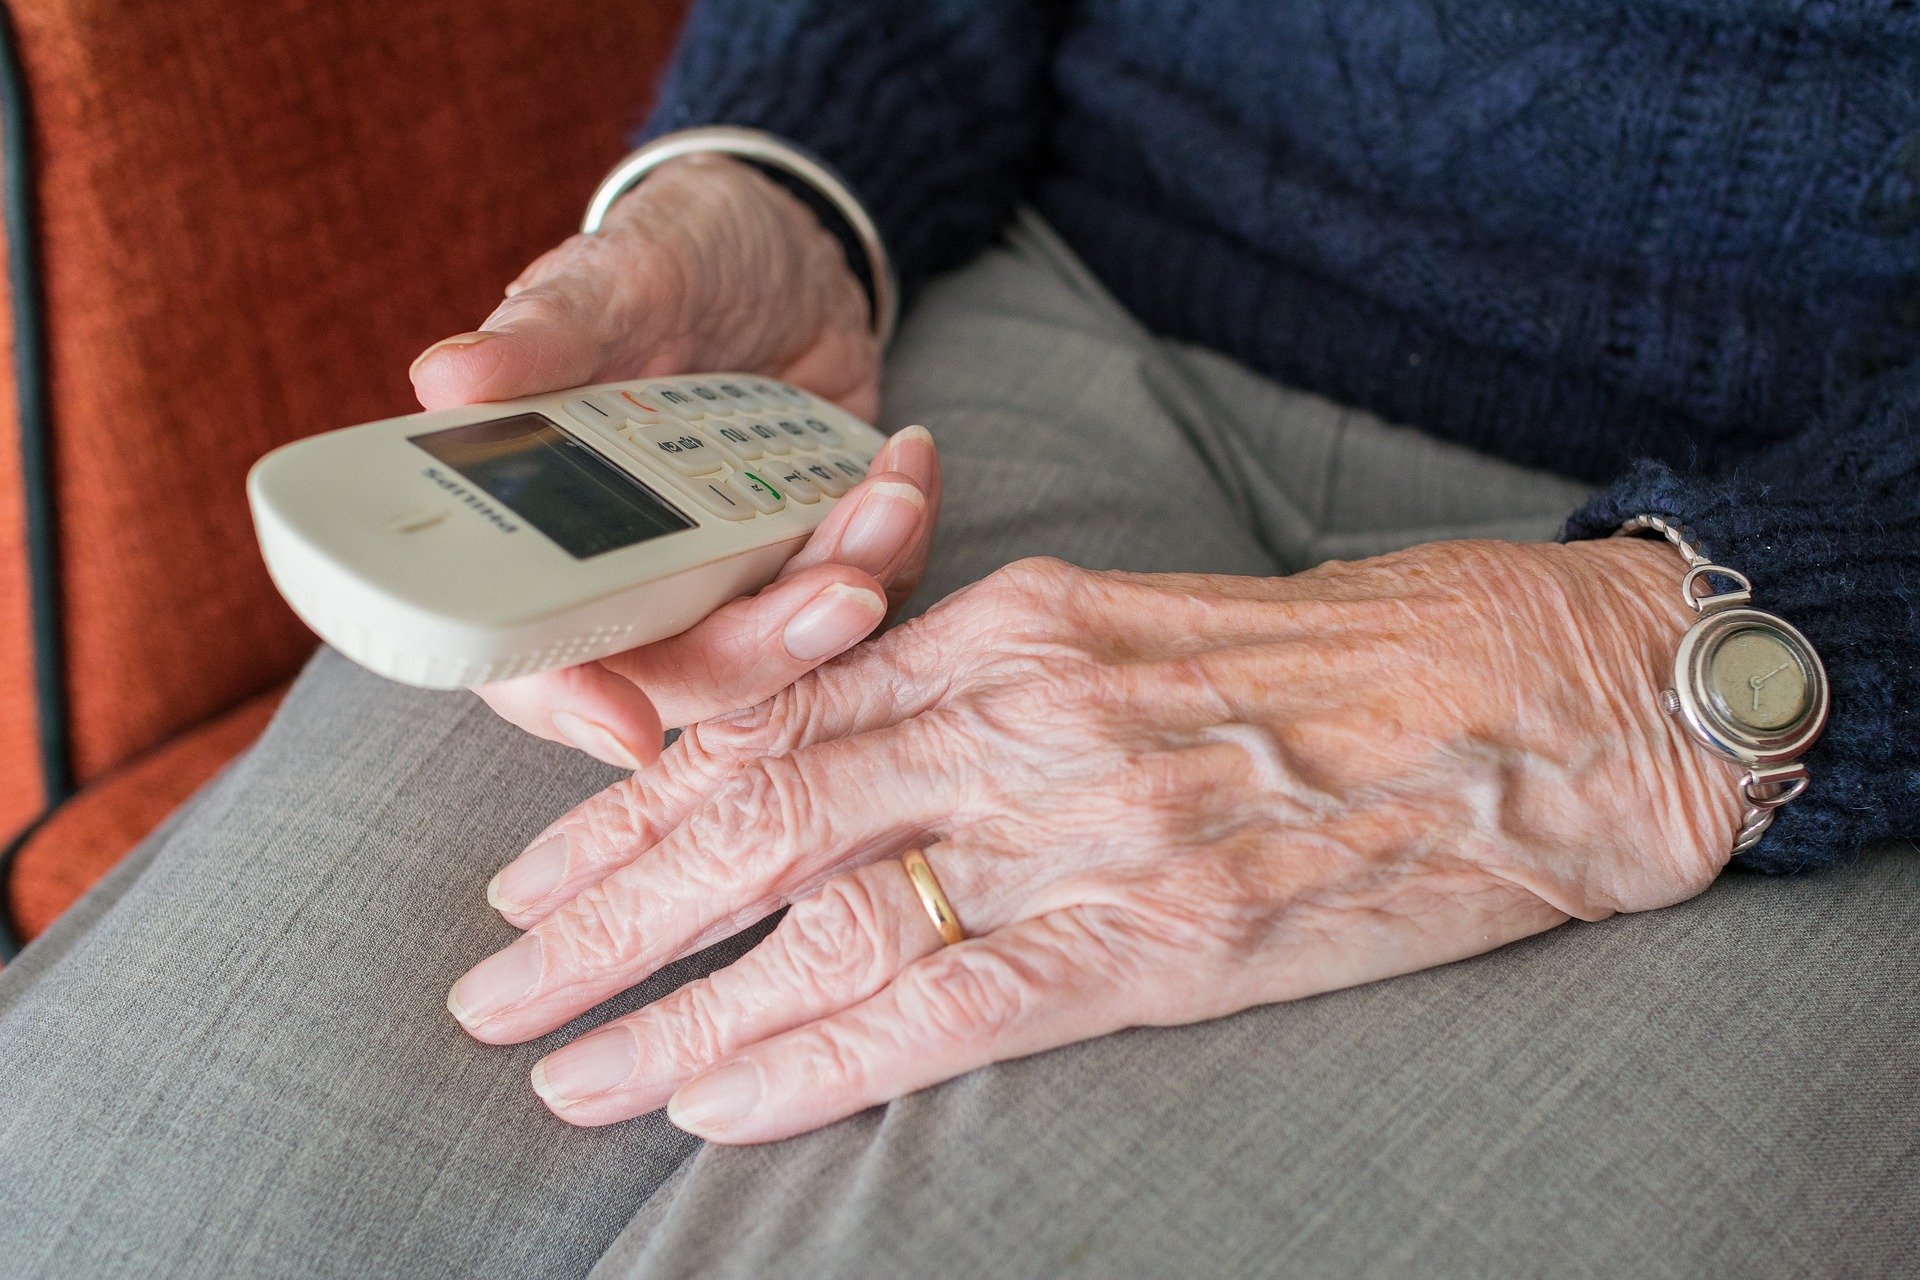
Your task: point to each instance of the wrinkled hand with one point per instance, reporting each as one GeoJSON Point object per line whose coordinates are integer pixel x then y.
{"type": "Point", "coordinates": [705, 266]}
{"type": "Point", "coordinates": [1152, 800]}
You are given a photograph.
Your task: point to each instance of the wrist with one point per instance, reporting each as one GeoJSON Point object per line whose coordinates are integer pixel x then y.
{"type": "Point", "coordinates": [1643, 609]}
{"type": "Point", "coordinates": [714, 266]}
{"type": "Point", "coordinates": [805, 177]}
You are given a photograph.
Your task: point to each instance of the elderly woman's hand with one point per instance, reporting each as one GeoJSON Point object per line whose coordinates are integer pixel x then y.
{"type": "Point", "coordinates": [705, 266]}
{"type": "Point", "coordinates": [1151, 799]}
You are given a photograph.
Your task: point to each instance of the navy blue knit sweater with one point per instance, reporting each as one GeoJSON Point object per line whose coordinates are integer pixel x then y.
{"type": "Point", "coordinates": [1670, 246]}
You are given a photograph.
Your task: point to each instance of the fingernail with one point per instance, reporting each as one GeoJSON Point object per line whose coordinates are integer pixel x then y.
{"type": "Point", "coordinates": [910, 451]}
{"type": "Point", "coordinates": [840, 616]}
{"type": "Point", "coordinates": [887, 518]}
{"type": "Point", "coordinates": [447, 344]}
{"type": "Point", "coordinates": [530, 878]}
{"type": "Point", "coordinates": [594, 739]}
{"type": "Point", "coordinates": [502, 980]}
{"type": "Point", "coordinates": [716, 1099]}
{"type": "Point", "coordinates": [588, 1066]}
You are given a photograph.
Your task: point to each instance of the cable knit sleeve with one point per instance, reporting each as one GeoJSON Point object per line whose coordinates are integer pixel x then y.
{"type": "Point", "coordinates": [933, 110]}
{"type": "Point", "coordinates": [1827, 525]}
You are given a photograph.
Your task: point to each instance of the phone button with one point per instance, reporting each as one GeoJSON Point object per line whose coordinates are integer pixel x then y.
{"type": "Point", "coordinates": [760, 493]}
{"type": "Point", "coordinates": [641, 407]}
{"type": "Point", "coordinates": [685, 449]}
{"type": "Point", "coordinates": [673, 400]}
{"type": "Point", "coordinates": [739, 395]}
{"type": "Point", "coordinates": [852, 470]}
{"type": "Point", "coordinates": [596, 411]}
{"type": "Point", "coordinates": [831, 482]}
{"type": "Point", "coordinates": [797, 484]}
{"type": "Point", "coordinates": [795, 433]}
{"type": "Point", "coordinates": [769, 436]}
{"type": "Point", "coordinates": [710, 398]}
{"type": "Point", "coordinates": [824, 432]}
{"type": "Point", "coordinates": [737, 439]}
{"type": "Point", "coordinates": [723, 497]}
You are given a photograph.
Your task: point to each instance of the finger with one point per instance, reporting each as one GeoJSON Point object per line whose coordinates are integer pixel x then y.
{"type": "Point", "coordinates": [1032, 986]}
{"type": "Point", "coordinates": [873, 531]}
{"type": "Point", "coordinates": [862, 532]}
{"type": "Point", "coordinates": [740, 654]}
{"type": "Point", "coordinates": [778, 829]}
{"type": "Point", "coordinates": [831, 950]}
{"type": "Point", "coordinates": [871, 687]}
{"type": "Point", "coordinates": [588, 707]}
{"type": "Point", "coordinates": [547, 337]}
{"type": "Point", "coordinates": [614, 709]}
{"type": "Point", "coordinates": [823, 605]}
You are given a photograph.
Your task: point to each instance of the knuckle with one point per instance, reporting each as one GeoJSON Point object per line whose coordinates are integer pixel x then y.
{"type": "Point", "coordinates": [1065, 704]}
{"type": "Point", "coordinates": [759, 818]}
{"type": "Point", "coordinates": [789, 718]}
{"type": "Point", "coordinates": [591, 934]}
{"type": "Point", "coordinates": [719, 744]}
{"type": "Point", "coordinates": [916, 655]}
{"type": "Point", "coordinates": [830, 1052]}
{"type": "Point", "coordinates": [693, 1032]}
{"type": "Point", "coordinates": [550, 263]}
{"type": "Point", "coordinates": [607, 828]}
{"type": "Point", "coordinates": [1036, 574]}
{"type": "Point", "coordinates": [542, 305]}
{"type": "Point", "coordinates": [839, 939]}
{"type": "Point", "coordinates": [1037, 584]}
{"type": "Point", "coordinates": [774, 726]}
{"type": "Point", "coordinates": [966, 997]}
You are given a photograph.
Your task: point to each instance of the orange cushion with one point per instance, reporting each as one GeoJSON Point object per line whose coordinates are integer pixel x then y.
{"type": "Point", "coordinates": [253, 216]}
{"type": "Point", "coordinates": [94, 830]}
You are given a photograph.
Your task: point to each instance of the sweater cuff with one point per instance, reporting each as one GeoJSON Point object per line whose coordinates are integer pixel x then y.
{"type": "Point", "coordinates": [930, 112]}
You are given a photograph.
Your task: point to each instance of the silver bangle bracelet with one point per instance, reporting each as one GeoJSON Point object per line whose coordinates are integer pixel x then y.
{"type": "Point", "coordinates": [776, 153]}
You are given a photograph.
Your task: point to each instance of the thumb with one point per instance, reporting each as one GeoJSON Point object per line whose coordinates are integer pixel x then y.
{"type": "Point", "coordinates": [543, 338]}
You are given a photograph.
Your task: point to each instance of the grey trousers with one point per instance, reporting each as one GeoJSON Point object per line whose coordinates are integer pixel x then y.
{"type": "Point", "coordinates": [232, 1058]}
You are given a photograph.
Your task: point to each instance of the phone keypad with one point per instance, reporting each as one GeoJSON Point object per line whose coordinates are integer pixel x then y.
{"type": "Point", "coordinates": [743, 447]}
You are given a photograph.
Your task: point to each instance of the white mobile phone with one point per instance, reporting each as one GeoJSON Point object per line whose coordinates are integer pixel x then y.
{"type": "Point", "coordinates": [458, 547]}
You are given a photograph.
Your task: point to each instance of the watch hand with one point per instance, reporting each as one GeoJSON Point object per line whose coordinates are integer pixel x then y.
{"type": "Point", "coordinates": [1760, 680]}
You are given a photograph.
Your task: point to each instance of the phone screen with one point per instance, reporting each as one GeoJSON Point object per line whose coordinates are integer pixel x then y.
{"type": "Point", "coordinates": [558, 485]}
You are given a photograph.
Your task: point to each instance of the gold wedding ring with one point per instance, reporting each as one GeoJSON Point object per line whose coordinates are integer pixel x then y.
{"type": "Point", "coordinates": [932, 897]}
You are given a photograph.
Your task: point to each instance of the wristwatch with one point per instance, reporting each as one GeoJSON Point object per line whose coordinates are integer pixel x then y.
{"type": "Point", "coordinates": [1747, 685]}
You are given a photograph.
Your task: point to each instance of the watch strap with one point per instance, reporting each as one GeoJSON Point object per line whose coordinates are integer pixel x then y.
{"type": "Point", "coordinates": [1764, 787]}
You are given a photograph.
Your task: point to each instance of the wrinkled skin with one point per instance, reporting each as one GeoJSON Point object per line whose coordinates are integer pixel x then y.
{"type": "Point", "coordinates": [705, 266]}
{"type": "Point", "coordinates": [1153, 799]}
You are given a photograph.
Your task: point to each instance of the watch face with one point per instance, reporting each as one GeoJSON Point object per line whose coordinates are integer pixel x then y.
{"type": "Point", "coordinates": [1759, 679]}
